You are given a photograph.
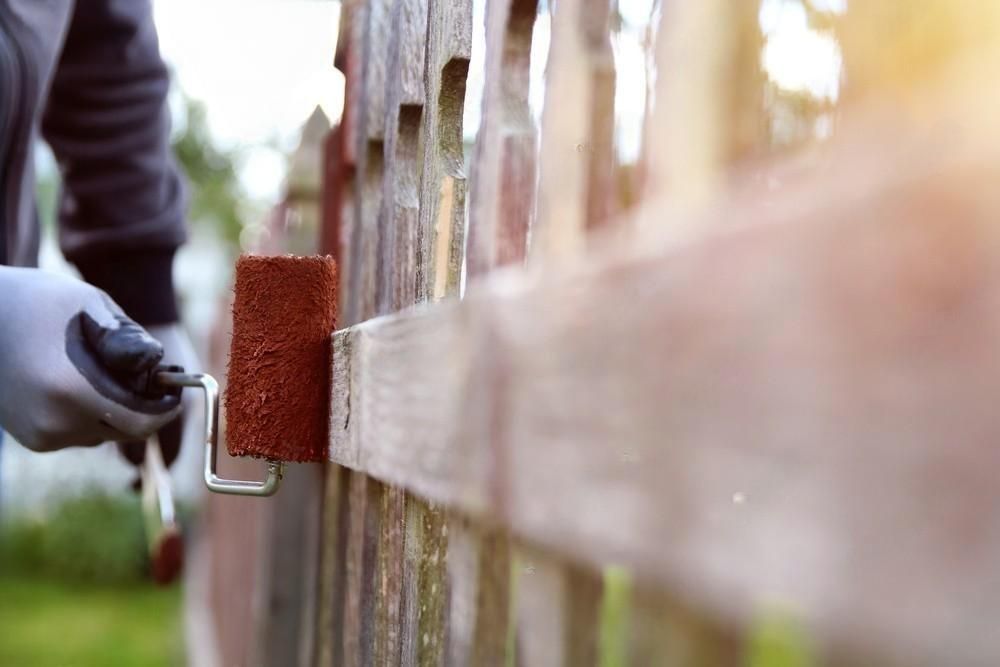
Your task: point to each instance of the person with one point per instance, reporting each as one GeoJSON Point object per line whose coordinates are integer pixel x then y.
{"type": "Point", "coordinates": [88, 77]}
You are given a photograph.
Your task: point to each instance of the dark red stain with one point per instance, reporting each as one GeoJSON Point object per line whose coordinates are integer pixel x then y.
{"type": "Point", "coordinates": [278, 396]}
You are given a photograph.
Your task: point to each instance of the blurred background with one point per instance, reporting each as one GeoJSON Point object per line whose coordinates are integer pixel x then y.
{"type": "Point", "coordinates": [255, 93]}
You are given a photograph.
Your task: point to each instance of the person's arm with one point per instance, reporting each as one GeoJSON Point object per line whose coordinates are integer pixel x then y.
{"type": "Point", "coordinates": [122, 205]}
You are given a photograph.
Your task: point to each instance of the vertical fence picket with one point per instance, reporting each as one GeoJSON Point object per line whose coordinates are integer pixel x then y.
{"type": "Point", "coordinates": [338, 238]}
{"type": "Point", "coordinates": [404, 108]}
{"type": "Point", "coordinates": [502, 200]}
{"type": "Point", "coordinates": [493, 599]}
{"type": "Point", "coordinates": [501, 206]}
{"type": "Point", "coordinates": [396, 224]}
{"type": "Point", "coordinates": [664, 632]}
{"type": "Point", "coordinates": [576, 183]}
{"type": "Point", "coordinates": [581, 607]}
{"type": "Point", "coordinates": [440, 241]}
{"type": "Point", "coordinates": [709, 112]}
{"type": "Point", "coordinates": [367, 101]}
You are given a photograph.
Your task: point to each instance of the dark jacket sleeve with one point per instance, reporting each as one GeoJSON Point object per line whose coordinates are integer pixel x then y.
{"type": "Point", "coordinates": [122, 206]}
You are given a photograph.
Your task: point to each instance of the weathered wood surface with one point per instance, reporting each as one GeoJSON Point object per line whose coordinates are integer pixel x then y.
{"type": "Point", "coordinates": [399, 200]}
{"type": "Point", "coordinates": [709, 90]}
{"type": "Point", "coordinates": [440, 241]}
{"type": "Point", "coordinates": [502, 198]}
{"type": "Point", "coordinates": [797, 412]}
{"type": "Point", "coordinates": [576, 188]}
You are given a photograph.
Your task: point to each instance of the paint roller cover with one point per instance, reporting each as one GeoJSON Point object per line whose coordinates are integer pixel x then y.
{"type": "Point", "coordinates": [278, 394]}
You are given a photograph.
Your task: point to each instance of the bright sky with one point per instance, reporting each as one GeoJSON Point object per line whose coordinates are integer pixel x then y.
{"type": "Point", "coordinates": [795, 56]}
{"type": "Point", "coordinates": [260, 67]}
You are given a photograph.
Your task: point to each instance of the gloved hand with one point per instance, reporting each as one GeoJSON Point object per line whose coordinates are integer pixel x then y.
{"type": "Point", "coordinates": [187, 429]}
{"type": "Point", "coordinates": [68, 355]}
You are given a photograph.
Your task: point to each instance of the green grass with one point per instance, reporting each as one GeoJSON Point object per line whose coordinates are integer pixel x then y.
{"type": "Point", "coordinates": [48, 623]}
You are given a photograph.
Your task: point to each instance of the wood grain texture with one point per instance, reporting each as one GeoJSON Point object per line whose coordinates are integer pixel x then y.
{"type": "Point", "coordinates": [576, 184]}
{"type": "Point", "coordinates": [663, 632]}
{"type": "Point", "coordinates": [368, 135]}
{"type": "Point", "coordinates": [389, 586]}
{"type": "Point", "coordinates": [399, 202]}
{"type": "Point", "coordinates": [540, 602]}
{"type": "Point", "coordinates": [359, 595]}
{"type": "Point", "coordinates": [502, 197]}
{"type": "Point", "coordinates": [795, 412]}
{"type": "Point", "coordinates": [440, 240]}
{"type": "Point", "coordinates": [493, 593]}
{"type": "Point", "coordinates": [332, 576]}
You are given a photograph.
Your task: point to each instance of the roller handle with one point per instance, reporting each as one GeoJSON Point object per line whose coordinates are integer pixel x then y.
{"type": "Point", "coordinates": [167, 379]}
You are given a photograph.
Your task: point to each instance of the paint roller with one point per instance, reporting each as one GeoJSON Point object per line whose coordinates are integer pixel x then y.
{"type": "Point", "coordinates": [277, 397]}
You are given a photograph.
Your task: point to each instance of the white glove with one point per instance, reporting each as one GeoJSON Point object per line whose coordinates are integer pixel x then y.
{"type": "Point", "coordinates": [72, 365]}
{"type": "Point", "coordinates": [187, 429]}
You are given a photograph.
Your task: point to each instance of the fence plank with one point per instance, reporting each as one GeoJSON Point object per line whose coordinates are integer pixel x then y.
{"type": "Point", "coordinates": [501, 205]}
{"type": "Point", "coordinates": [663, 632]}
{"type": "Point", "coordinates": [576, 187]}
{"type": "Point", "coordinates": [502, 200]}
{"type": "Point", "coordinates": [404, 108]}
{"type": "Point", "coordinates": [369, 136]}
{"type": "Point", "coordinates": [441, 230]}
{"type": "Point", "coordinates": [582, 612]}
{"type": "Point", "coordinates": [782, 338]}
{"type": "Point", "coordinates": [492, 611]}
{"type": "Point", "coordinates": [709, 98]}
{"type": "Point", "coordinates": [332, 577]}
{"type": "Point", "coordinates": [389, 582]}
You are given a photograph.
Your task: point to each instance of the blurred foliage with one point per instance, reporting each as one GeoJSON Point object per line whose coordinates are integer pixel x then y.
{"type": "Point", "coordinates": [48, 623]}
{"type": "Point", "coordinates": [214, 187]}
{"type": "Point", "coordinates": [94, 538]}
{"type": "Point", "coordinates": [614, 623]}
{"type": "Point", "coordinates": [777, 639]}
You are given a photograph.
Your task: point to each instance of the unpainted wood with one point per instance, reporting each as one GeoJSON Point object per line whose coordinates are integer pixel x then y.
{"type": "Point", "coordinates": [369, 117]}
{"type": "Point", "coordinates": [724, 416]}
{"type": "Point", "coordinates": [462, 571]}
{"type": "Point", "coordinates": [576, 185]}
{"type": "Point", "coordinates": [350, 59]}
{"type": "Point", "coordinates": [709, 114]}
{"type": "Point", "coordinates": [332, 576]}
{"type": "Point", "coordinates": [582, 606]}
{"type": "Point", "coordinates": [404, 104]}
{"type": "Point", "coordinates": [432, 592]}
{"type": "Point", "coordinates": [502, 197]}
{"type": "Point", "coordinates": [389, 586]}
{"type": "Point", "coordinates": [440, 241]}
{"type": "Point", "coordinates": [493, 598]}
{"type": "Point", "coordinates": [664, 632]}
{"type": "Point", "coordinates": [359, 598]}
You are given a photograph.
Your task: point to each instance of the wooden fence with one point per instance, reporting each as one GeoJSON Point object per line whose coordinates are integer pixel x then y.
{"type": "Point", "coordinates": [730, 405]}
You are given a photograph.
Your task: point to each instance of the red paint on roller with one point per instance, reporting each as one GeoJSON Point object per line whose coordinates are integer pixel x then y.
{"type": "Point", "coordinates": [278, 394]}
